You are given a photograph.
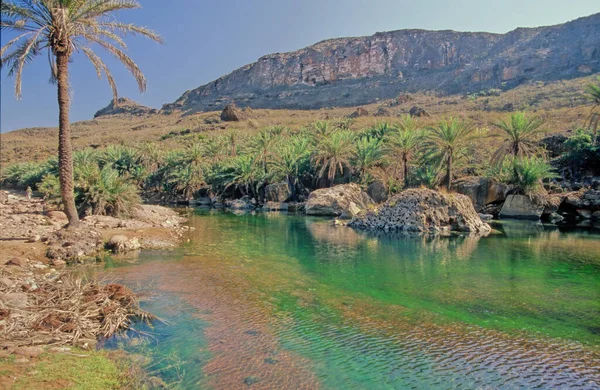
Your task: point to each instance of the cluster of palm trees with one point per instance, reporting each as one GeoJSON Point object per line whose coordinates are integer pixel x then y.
{"type": "Point", "coordinates": [398, 154]}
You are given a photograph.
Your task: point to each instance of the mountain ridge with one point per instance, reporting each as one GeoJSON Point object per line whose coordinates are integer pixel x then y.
{"type": "Point", "coordinates": [351, 71]}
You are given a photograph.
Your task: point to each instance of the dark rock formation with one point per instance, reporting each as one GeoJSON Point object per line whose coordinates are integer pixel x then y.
{"type": "Point", "coordinates": [232, 114]}
{"type": "Point", "coordinates": [335, 200]}
{"type": "Point", "coordinates": [124, 106]}
{"type": "Point", "coordinates": [277, 192]}
{"type": "Point", "coordinates": [423, 210]}
{"type": "Point", "coordinates": [418, 112]}
{"type": "Point", "coordinates": [358, 71]}
{"type": "Point", "coordinates": [482, 191]}
{"type": "Point", "coordinates": [521, 207]}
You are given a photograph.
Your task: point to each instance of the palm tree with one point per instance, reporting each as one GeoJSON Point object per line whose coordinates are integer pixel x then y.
{"type": "Point", "coordinates": [333, 154]}
{"type": "Point", "coordinates": [519, 136]}
{"type": "Point", "coordinates": [262, 147]}
{"type": "Point", "coordinates": [61, 28]}
{"type": "Point", "coordinates": [290, 160]}
{"type": "Point", "coordinates": [447, 139]}
{"type": "Point", "coordinates": [593, 92]}
{"type": "Point", "coordinates": [404, 142]}
{"type": "Point", "coordinates": [369, 154]}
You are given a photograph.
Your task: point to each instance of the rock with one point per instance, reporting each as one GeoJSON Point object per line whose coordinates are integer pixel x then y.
{"type": "Point", "coordinates": [14, 299]}
{"type": "Point", "coordinates": [334, 200]}
{"type": "Point", "coordinates": [29, 352]}
{"type": "Point", "coordinates": [584, 213]}
{"type": "Point", "coordinates": [486, 217]}
{"type": "Point", "coordinates": [74, 245]}
{"type": "Point", "coordinates": [276, 206]}
{"type": "Point", "coordinates": [596, 215]}
{"type": "Point", "coordinates": [419, 112]}
{"type": "Point", "coordinates": [17, 261]}
{"type": "Point", "coordinates": [481, 190]}
{"type": "Point", "coordinates": [359, 112]}
{"type": "Point", "coordinates": [377, 192]}
{"type": "Point", "coordinates": [359, 71]}
{"type": "Point", "coordinates": [232, 114]}
{"type": "Point", "coordinates": [121, 244]}
{"type": "Point", "coordinates": [520, 207]}
{"type": "Point", "coordinates": [555, 218]}
{"type": "Point", "coordinates": [554, 144]}
{"type": "Point", "coordinates": [124, 106]}
{"type": "Point", "coordinates": [57, 216]}
{"type": "Point", "coordinates": [382, 111]}
{"type": "Point", "coordinates": [34, 238]}
{"type": "Point", "coordinates": [277, 192]}
{"type": "Point", "coordinates": [59, 263]}
{"type": "Point", "coordinates": [424, 210]}
{"type": "Point", "coordinates": [244, 203]}
{"type": "Point", "coordinates": [350, 212]}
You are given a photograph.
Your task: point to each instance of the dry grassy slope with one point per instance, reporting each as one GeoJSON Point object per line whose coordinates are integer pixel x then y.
{"type": "Point", "coordinates": [560, 103]}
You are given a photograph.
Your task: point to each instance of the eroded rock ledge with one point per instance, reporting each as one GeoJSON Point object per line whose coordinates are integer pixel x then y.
{"type": "Point", "coordinates": [424, 211]}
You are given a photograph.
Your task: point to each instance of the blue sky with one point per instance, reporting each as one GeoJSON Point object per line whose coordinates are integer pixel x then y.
{"type": "Point", "coordinates": [207, 39]}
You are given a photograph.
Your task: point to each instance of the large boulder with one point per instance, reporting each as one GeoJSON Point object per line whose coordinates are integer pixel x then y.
{"type": "Point", "coordinates": [334, 200]}
{"type": "Point", "coordinates": [377, 192]}
{"type": "Point", "coordinates": [481, 190]}
{"type": "Point", "coordinates": [418, 112]}
{"type": "Point", "coordinates": [277, 192]}
{"type": "Point", "coordinates": [124, 106]}
{"type": "Point", "coordinates": [121, 244]}
{"type": "Point", "coordinates": [424, 210]}
{"type": "Point", "coordinates": [231, 113]}
{"type": "Point", "coordinates": [359, 112]}
{"type": "Point", "coordinates": [520, 207]}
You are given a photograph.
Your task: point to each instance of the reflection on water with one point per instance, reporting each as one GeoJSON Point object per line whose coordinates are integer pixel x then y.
{"type": "Point", "coordinates": [276, 301]}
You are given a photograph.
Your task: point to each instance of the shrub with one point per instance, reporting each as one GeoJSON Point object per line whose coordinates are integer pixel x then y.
{"type": "Point", "coordinates": [582, 154]}
{"type": "Point", "coordinates": [529, 174]}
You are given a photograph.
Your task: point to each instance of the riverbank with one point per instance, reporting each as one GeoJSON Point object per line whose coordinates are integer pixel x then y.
{"type": "Point", "coordinates": [49, 311]}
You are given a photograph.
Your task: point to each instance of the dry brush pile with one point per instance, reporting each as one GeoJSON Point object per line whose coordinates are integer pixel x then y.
{"type": "Point", "coordinates": [63, 310]}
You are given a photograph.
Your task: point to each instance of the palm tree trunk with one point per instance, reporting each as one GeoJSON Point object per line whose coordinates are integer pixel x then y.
{"type": "Point", "coordinates": [65, 150]}
{"type": "Point", "coordinates": [405, 164]}
{"type": "Point", "coordinates": [449, 172]}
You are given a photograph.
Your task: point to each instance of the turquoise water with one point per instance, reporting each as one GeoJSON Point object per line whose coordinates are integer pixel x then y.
{"type": "Point", "coordinates": [271, 300]}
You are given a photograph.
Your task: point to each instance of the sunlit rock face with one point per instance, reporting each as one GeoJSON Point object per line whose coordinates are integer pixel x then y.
{"type": "Point", "coordinates": [423, 210]}
{"type": "Point", "coordinates": [353, 71]}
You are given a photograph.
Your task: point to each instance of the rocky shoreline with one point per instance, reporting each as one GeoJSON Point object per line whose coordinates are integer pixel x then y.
{"type": "Point", "coordinates": [47, 307]}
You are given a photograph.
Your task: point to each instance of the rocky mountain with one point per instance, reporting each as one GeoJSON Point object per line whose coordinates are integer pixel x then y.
{"type": "Point", "coordinates": [126, 107]}
{"type": "Point", "coordinates": [355, 71]}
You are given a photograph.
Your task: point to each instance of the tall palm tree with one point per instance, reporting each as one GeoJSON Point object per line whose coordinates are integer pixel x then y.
{"type": "Point", "coordinates": [262, 147]}
{"type": "Point", "coordinates": [61, 28]}
{"type": "Point", "coordinates": [593, 92]}
{"type": "Point", "coordinates": [519, 135]}
{"type": "Point", "coordinates": [404, 142]}
{"type": "Point", "coordinates": [448, 138]}
{"type": "Point", "coordinates": [333, 154]}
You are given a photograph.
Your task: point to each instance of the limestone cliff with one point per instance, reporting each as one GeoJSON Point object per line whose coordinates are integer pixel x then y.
{"type": "Point", "coordinates": [354, 71]}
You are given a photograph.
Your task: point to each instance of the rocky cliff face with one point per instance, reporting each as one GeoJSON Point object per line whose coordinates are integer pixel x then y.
{"type": "Point", "coordinates": [353, 71]}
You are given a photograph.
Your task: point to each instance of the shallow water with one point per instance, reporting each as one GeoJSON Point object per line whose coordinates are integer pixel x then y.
{"type": "Point", "coordinates": [277, 301]}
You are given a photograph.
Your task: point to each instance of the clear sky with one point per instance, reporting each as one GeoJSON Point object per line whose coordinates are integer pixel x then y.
{"type": "Point", "coordinates": [207, 39]}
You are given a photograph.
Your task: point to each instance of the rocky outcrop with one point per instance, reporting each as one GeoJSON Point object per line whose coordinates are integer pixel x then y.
{"type": "Point", "coordinates": [121, 244]}
{"type": "Point", "coordinates": [423, 210]}
{"type": "Point", "coordinates": [277, 192]}
{"type": "Point", "coordinates": [377, 192]}
{"type": "Point", "coordinates": [360, 70]}
{"type": "Point", "coordinates": [335, 200]}
{"type": "Point", "coordinates": [521, 207]}
{"type": "Point", "coordinates": [481, 190]}
{"type": "Point", "coordinates": [359, 112]}
{"type": "Point", "coordinates": [418, 112]}
{"type": "Point", "coordinates": [124, 106]}
{"type": "Point", "coordinates": [232, 114]}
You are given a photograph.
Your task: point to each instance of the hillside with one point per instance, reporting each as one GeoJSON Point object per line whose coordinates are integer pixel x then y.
{"type": "Point", "coordinates": [561, 104]}
{"type": "Point", "coordinates": [363, 70]}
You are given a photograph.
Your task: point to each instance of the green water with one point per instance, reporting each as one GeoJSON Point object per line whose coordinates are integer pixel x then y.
{"type": "Point", "coordinates": [280, 301]}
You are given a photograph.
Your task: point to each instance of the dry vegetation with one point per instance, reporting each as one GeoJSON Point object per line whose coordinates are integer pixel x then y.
{"type": "Point", "coordinates": [561, 104]}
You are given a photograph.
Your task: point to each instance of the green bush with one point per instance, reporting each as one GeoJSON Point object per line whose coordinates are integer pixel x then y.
{"type": "Point", "coordinates": [582, 156]}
